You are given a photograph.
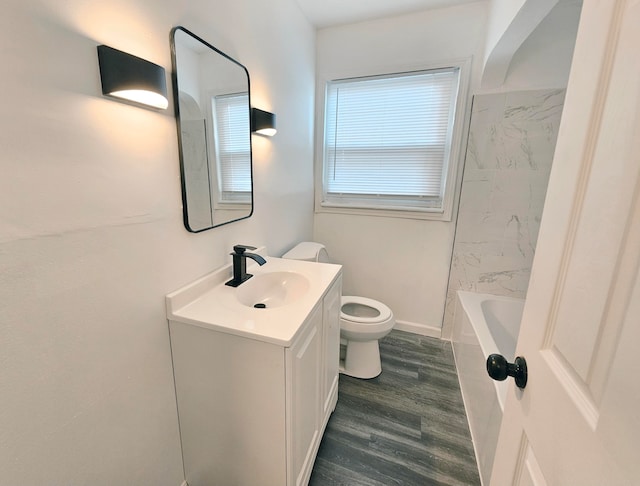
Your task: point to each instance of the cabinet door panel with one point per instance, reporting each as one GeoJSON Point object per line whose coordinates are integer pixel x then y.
{"type": "Point", "coordinates": [303, 384]}
{"type": "Point", "coordinates": [231, 398]}
{"type": "Point", "coordinates": [331, 322]}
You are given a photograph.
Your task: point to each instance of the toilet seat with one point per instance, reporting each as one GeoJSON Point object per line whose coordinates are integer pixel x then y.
{"type": "Point", "coordinates": [383, 316]}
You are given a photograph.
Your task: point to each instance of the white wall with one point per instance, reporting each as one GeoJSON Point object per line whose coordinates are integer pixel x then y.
{"type": "Point", "coordinates": [544, 59]}
{"type": "Point", "coordinates": [401, 262]}
{"type": "Point", "coordinates": [501, 14]}
{"type": "Point", "coordinates": [91, 234]}
{"type": "Point", "coordinates": [529, 44]}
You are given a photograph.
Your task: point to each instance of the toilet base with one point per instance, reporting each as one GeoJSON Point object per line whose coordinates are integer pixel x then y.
{"type": "Point", "coordinates": [362, 359]}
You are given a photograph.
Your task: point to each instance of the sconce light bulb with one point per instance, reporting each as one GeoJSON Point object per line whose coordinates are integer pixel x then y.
{"type": "Point", "coordinates": [269, 132]}
{"type": "Point", "coordinates": [143, 96]}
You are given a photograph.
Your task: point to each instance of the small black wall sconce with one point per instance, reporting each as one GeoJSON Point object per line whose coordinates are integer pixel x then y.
{"type": "Point", "coordinates": [263, 122]}
{"type": "Point", "coordinates": [131, 78]}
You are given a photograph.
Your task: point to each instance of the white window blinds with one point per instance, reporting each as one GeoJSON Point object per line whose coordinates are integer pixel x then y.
{"type": "Point", "coordinates": [233, 145]}
{"type": "Point", "coordinates": [388, 138]}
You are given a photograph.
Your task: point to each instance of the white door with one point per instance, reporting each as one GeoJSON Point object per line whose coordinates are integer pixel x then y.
{"type": "Point", "coordinates": [577, 422]}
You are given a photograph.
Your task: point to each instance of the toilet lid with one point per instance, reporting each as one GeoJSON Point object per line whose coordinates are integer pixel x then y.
{"type": "Point", "coordinates": [364, 310]}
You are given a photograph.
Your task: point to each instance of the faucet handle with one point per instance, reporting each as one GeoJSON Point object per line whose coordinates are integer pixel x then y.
{"type": "Point", "coordinates": [240, 249]}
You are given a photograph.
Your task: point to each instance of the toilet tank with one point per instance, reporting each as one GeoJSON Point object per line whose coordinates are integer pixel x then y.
{"type": "Point", "coordinates": [309, 251]}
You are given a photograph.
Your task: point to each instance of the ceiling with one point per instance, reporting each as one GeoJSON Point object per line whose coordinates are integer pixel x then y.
{"type": "Point", "coordinates": [326, 13]}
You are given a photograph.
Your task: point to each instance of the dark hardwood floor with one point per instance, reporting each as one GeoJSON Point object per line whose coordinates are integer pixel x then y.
{"type": "Point", "coordinates": [405, 427]}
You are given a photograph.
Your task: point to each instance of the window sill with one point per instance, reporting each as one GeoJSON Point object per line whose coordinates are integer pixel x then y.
{"type": "Point", "coordinates": [234, 206]}
{"type": "Point", "coordinates": [428, 214]}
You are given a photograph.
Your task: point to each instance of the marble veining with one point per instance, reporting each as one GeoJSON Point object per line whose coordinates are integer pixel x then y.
{"type": "Point", "coordinates": [512, 139]}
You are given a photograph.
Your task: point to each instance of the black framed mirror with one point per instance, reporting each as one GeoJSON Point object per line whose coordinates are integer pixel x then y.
{"type": "Point", "coordinates": [213, 107]}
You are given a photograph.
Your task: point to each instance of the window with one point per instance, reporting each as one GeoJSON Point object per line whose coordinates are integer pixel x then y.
{"type": "Point", "coordinates": [387, 140]}
{"type": "Point", "coordinates": [233, 146]}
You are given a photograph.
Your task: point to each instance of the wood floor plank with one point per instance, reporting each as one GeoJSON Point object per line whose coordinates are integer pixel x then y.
{"type": "Point", "coordinates": [405, 427]}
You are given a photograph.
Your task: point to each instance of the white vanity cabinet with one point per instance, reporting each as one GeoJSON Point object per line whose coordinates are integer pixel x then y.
{"type": "Point", "coordinates": [252, 411]}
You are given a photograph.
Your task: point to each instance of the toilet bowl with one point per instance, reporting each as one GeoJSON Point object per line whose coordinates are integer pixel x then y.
{"type": "Point", "coordinates": [362, 321]}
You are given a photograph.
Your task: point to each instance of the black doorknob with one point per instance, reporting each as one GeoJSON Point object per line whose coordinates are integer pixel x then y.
{"type": "Point", "coordinates": [499, 369]}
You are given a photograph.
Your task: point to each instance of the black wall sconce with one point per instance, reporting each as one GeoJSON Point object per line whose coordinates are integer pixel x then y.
{"type": "Point", "coordinates": [263, 122]}
{"type": "Point", "coordinates": [131, 78]}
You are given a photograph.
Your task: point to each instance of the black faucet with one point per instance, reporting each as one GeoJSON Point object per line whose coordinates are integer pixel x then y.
{"type": "Point", "coordinates": [240, 256]}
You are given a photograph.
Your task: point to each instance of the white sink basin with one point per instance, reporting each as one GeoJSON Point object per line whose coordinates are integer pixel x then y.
{"type": "Point", "coordinates": [289, 290]}
{"type": "Point", "coordinates": [272, 289]}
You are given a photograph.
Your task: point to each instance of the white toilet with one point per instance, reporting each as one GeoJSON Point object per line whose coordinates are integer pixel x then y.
{"type": "Point", "coordinates": [362, 321]}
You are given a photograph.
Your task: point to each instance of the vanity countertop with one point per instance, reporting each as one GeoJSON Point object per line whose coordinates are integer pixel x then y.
{"type": "Point", "coordinates": [209, 303]}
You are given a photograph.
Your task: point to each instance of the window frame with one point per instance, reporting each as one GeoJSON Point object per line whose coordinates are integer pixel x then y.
{"type": "Point", "coordinates": [454, 163]}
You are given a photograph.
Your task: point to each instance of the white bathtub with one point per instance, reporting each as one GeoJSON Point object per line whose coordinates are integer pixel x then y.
{"type": "Point", "coordinates": [484, 324]}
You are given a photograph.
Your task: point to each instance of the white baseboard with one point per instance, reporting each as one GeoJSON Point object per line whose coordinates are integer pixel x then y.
{"type": "Point", "coordinates": [415, 328]}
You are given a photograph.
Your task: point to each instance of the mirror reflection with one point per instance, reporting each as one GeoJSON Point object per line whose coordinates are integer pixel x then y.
{"type": "Point", "coordinates": [211, 93]}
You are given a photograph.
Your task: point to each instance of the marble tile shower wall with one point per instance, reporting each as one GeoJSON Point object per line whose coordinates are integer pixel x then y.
{"type": "Point", "coordinates": [512, 138]}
